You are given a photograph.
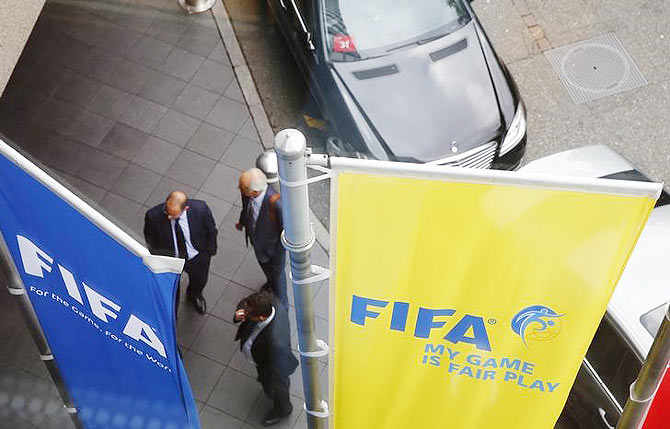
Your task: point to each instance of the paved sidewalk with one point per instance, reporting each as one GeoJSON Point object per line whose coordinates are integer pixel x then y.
{"type": "Point", "coordinates": [633, 122]}
{"type": "Point", "coordinates": [126, 100]}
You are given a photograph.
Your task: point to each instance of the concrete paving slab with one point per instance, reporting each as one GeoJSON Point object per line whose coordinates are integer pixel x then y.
{"type": "Point", "coordinates": [65, 154]}
{"type": "Point", "coordinates": [191, 168]}
{"type": "Point", "coordinates": [182, 64]}
{"type": "Point", "coordinates": [168, 26]}
{"type": "Point", "coordinates": [110, 102]}
{"type": "Point", "coordinates": [250, 273]}
{"type": "Point", "coordinates": [101, 169]}
{"type": "Point", "coordinates": [196, 101]}
{"type": "Point", "coordinates": [90, 128]}
{"type": "Point", "coordinates": [234, 293]}
{"type": "Point", "coordinates": [199, 39]}
{"type": "Point", "coordinates": [162, 88]}
{"type": "Point", "coordinates": [227, 228]}
{"type": "Point", "coordinates": [190, 322]}
{"type": "Point", "coordinates": [77, 89]}
{"type": "Point", "coordinates": [228, 114]}
{"type": "Point", "coordinates": [203, 373]}
{"type": "Point", "coordinates": [214, 76]}
{"type": "Point", "coordinates": [123, 141]}
{"type": "Point", "coordinates": [136, 183]}
{"type": "Point", "coordinates": [149, 52]}
{"type": "Point", "coordinates": [249, 131]}
{"type": "Point", "coordinates": [216, 286]}
{"type": "Point", "coordinates": [222, 183]}
{"type": "Point", "coordinates": [215, 340]}
{"type": "Point", "coordinates": [176, 127]}
{"type": "Point", "coordinates": [210, 141]}
{"type": "Point", "coordinates": [143, 114]}
{"type": "Point", "coordinates": [122, 210]}
{"type": "Point", "coordinates": [220, 208]}
{"type": "Point", "coordinates": [242, 153]}
{"type": "Point", "coordinates": [235, 393]}
{"type": "Point", "coordinates": [228, 258]}
{"type": "Point", "coordinates": [165, 186]}
{"type": "Point", "coordinates": [157, 155]}
{"type": "Point", "coordinates": [211, 418]}
{"type": "Point", "coordinates": [241, 364]}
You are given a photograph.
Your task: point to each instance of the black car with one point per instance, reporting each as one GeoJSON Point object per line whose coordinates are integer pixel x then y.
{"type": "Point", "coordinates": [414, 81]}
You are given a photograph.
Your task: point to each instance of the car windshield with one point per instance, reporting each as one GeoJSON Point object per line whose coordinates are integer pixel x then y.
{"type": "Point", "coordinates": [360, 29]}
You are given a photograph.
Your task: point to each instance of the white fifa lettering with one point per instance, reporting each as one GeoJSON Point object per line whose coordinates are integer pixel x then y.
{"type": "Point", "coordinates": [140, 331]}
{"type": "Point", "coordinates": [30, 255]}
{"type": "Point", "coordinates": [95, 300]}
{"type": "Point", "coordinates": [70, 284]}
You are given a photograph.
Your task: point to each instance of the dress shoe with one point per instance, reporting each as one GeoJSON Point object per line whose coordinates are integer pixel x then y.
{"type": "Point", "coordinates": [273, 417]}
{"type": "Point", "coordinates": [199, 304]}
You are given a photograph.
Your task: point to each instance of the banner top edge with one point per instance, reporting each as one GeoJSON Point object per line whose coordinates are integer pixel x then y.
{"type": "Point", "coordinates": [498, 177]}
{"type": "Point", "coordinates": [155, 265]}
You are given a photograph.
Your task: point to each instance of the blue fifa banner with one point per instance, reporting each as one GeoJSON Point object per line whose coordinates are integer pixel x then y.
{"type": "Point", "coordinates": [105, 305]}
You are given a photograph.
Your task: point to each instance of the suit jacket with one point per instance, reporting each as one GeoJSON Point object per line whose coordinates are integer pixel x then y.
{"type": "Point", "coordinates": [265, 234]}
{"type": "Point", "coordinates": [158, 229]}
{"type": "Point", "coordinates": [272, 348]}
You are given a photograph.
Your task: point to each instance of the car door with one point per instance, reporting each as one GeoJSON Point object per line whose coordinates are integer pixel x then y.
{"type": "Point", "coordinates": [305, 45]}
{"type": "Point", "coordinates": [602, 385]}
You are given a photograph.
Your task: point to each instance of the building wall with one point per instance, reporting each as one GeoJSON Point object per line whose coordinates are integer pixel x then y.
{"type": "Point", "coordinates": [17, 18]}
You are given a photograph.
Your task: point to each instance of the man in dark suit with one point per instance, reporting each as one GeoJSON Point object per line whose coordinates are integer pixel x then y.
{"type": "Point", "coordinates": [185, 229]}
{"type": "Point", "coordinates": [265, 342]}
{"type": "Point", "coordinates": [261, 219]}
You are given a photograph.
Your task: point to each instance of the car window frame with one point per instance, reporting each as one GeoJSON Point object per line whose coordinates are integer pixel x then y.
{"type": "Point", "coordinates": [301, 23]}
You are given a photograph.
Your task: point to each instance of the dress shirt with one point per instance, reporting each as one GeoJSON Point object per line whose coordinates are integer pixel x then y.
{"type": "Point", "coordinates": [183, 223]}
{"type": "Point", "coordinates": [256, 203]}
{"type": "Point", "coordinates": [246, 349]}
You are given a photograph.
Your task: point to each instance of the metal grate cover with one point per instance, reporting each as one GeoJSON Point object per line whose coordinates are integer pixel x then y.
{"type": "Point", "coordinates": [595, 68]}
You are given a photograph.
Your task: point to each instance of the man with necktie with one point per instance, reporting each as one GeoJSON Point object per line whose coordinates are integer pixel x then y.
{"type": "Point", "coordinates": [265, 342]}
{"type": "Point", "coordinates": [261, 219]}
{"type": "Point", "coordinates": [184, 228]}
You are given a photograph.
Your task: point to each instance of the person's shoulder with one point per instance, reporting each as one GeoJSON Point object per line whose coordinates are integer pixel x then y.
{"type": "Point", "coordinates": [155, 211]}
{"type": "Point", "coordinates": [197, 205]}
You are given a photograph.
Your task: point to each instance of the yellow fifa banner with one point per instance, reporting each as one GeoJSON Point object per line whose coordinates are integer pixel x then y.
{"type": "Point", "coordinates": [468, 299]}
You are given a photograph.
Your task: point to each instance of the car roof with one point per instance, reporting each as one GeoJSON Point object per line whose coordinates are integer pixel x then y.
{"type": "Point", "coordinates": [643, 286]}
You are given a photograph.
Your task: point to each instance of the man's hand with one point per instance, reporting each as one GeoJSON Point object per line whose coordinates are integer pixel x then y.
{"type": "Point", "coordinates": [240, 315]}
{"type": "Point", "coordinates": [238, 226]}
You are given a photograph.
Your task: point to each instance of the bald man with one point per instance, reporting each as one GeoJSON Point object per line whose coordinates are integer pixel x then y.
{"type": "Point", "coordinates": [261, 219]}
{"type": "Point", "coordinates": [184, 228]}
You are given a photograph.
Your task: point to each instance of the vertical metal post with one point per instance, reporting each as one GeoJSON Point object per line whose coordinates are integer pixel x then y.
{"type": "Point", "coordinates": [644, 388]}
{"type": "Point", "coordinates": [298, 238]}
{"type": "Point", "coordinates": [10, 276]}
{"type": "Point", "coordinates": [196, 6]}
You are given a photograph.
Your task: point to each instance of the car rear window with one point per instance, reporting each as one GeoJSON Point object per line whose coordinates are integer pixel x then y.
{"type": "Point", "coordinates": [636, 176]}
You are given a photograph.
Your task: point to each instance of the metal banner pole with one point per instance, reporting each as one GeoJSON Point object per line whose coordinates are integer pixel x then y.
{"type": "Point", "coordinates": [10, 276]}
{"type": "Point", "coordinates": [298, 238]}
{"type": "Point", "coordinates": [644, 388]}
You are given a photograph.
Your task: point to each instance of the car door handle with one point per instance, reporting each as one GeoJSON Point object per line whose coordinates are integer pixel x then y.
{"type": "Point", "coordinates": [602, 416]}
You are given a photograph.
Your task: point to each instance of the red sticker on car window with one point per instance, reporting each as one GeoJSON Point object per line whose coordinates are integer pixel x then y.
{"type": "Point", "coordinates": [343, 43]}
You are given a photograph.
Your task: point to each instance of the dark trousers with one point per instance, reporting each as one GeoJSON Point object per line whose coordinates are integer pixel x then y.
{"type": "Point", "coordinates": [275, 272]}
{"type": "Point", "coordinates": [198, 272]}
{"type": "Point", "coordinates": [276, 387]}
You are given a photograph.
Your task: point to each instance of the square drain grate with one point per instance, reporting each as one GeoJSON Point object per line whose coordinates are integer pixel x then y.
{"type": "Point", "coordinates": [595, 68]}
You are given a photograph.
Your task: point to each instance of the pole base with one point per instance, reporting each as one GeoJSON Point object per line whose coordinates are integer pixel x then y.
{"type": "Point", "coordinates": [196, 6]}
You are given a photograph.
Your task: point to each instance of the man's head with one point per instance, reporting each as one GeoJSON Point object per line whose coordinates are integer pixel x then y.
{"type": "Point", "coordinates": [175, 204]}
{"type": "Point", "coordinates": [253, 182]}
{"type": "Point", "coordinates": [257, 307]}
